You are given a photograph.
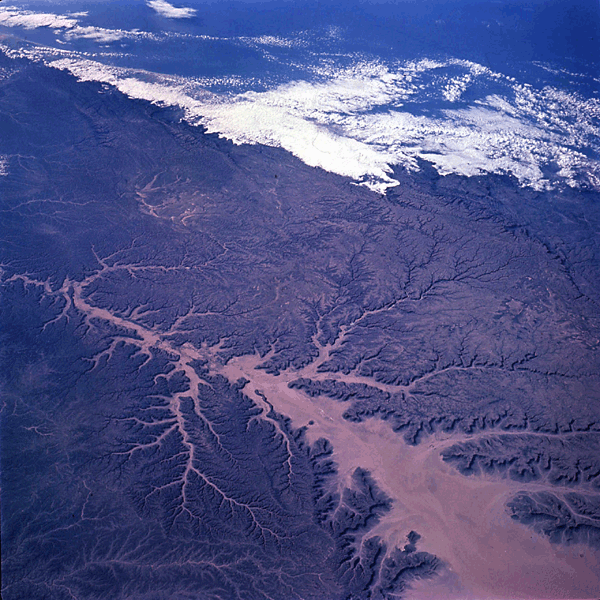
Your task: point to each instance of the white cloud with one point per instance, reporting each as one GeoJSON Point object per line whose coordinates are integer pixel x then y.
{"type": "Point", "coordinates": [97, 34]}
{"type": "Point", "coordinates": [253, 123]}
{"type": "Point", "coordinates": [164, 9]}
{"type": "Point", "coordinates": [3, 165]}
{"type": "Point", "coordinates": [68, 25]}
{"type": "Point", "coordinates": [363, 120]}
{"type": "Point", "coordinates": [10, 17]}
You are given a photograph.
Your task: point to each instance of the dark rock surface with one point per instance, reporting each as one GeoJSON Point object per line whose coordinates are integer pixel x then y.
{"type": "Point", "coordinates": [138, 253]}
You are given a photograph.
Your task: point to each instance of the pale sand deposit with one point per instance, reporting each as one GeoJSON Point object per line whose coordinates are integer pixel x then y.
{"type": "Point", "coordinates": [462, 520]}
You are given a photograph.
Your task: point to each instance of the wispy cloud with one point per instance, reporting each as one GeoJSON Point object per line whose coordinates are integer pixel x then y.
{"type": "Point", "coordinates": [163, 8]}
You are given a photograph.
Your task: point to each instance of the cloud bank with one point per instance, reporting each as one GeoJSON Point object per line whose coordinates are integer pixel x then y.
{"type": "Point", "coordinates": [363, 120]}
{"type": "Point", "coordinates": [11, 17]}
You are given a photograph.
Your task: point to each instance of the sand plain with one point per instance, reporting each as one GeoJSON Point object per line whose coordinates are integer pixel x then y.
{"type": "Point", "coordinates": [462, 520]}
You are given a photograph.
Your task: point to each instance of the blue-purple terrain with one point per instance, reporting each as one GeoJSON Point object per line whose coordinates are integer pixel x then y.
{"type": "Point", "coordinates": [300, 300]}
